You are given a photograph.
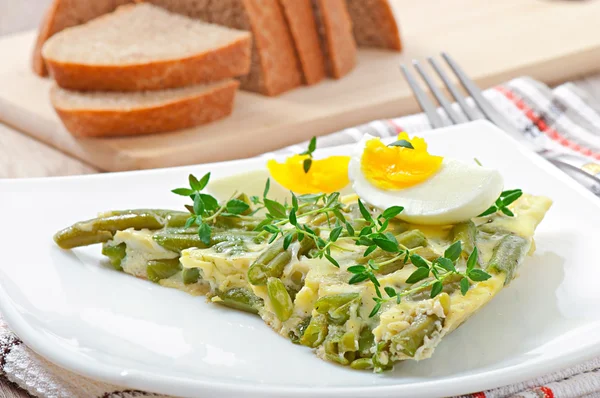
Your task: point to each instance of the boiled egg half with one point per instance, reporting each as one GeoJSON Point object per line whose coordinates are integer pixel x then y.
{"type": "Point", "coordinates": [433, 190]}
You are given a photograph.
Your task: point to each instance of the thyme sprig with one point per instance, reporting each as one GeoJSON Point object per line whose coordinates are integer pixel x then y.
{"type": "Point", "coordinates": [501, 204]}
{"type": "Point", "coordinates": [312, 146]}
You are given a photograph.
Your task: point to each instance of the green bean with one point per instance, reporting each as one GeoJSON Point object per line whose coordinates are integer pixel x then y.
{"type": "Point", "coordinates": [340, 347]}
{"type": "Point", "coordinates": [315, 332]}
{"type": "Point", "coordinates": [362, 364]}
{"type": "Point", "coordinates": [162, 269]}
{"type": "Point", "coordinates": [179, 242]}
{"type": "Point", "coordinates": [411, 239]}
{"type": "Point", "coordinates": [102, 229]}
{"type": "Point", "coordinates": [411, 338]}
{"type": "Point", "coordinates": [507, 255]}
{"type": "Point", "coordinates": [115, 253]}
{"type": "Point", "coordinates": [381, 359]}
{"type": "Point", "coordinates": [307, 244]}
{"type": "Point", "coordinates": [168, 218]}
{"type": "Point", "coordinates": [269, 264]}
{"type": "Point", "coordinates": [190, 275]}
{"type": "Point", "coordinates": [296, 334]}
{"type": "Point", "coordinates": [366, 341]}
{"type": "Point", "coordinates": [465, 232]}
{"type": "Point", "coordinates": [336, 307]}
{"type": "Point", "coordinates": [280, 299]}
{"type": "Point", "coordinates": [240, 299]}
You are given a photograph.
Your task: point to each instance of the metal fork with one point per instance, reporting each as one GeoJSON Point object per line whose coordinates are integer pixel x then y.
{"type": "Point", "coordinates": [489, 112]}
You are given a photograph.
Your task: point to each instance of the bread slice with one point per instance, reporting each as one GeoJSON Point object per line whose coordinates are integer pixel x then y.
{"type": "Point", "coordinates": [301, 21]}
{"type": "Point", "coordinates": [63, 14]}
{"type": "Point", "coordinates": [275, 67]}
{"type": "Point", "coordinates": [143, 47]}
{"type": "Point", "coordinates": [104, 114]}
{"type": "Point", "coordinates": [374, 24]}
{"type": "Point", "coordinates": [335, 31]}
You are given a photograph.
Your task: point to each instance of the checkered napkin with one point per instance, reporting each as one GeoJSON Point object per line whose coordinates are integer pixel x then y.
{"type": "Point", "coordinates": [562, 122]}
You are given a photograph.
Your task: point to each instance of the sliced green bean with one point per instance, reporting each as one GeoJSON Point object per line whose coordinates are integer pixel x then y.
{"type": "Point", "coordinates": [411, 338]}
{"type": "Point", "coordinates": [366, 341]}
{"type": "Point", "coordinates": [362, 364]}
{"type": "Point", "coordinates": [240, 299]}
{"type": "Point", "coordinates": [336, 307]}
{"type": "Point", "coordinates": [179, 242]}
{"type": "Point", "coordinates": [280, 299]}
{"type": "Point", "coordinates": [465, 232]}
{"type": "Point", "coordinates": [167, 218]}
{"type": "Point", "coordinates": [162, 269]}
{"type": "Point", "coordinates": [269, 264]}
{"type": "Point", "coordinates": [411, 239]}
{"type": "Point", "coordinates": [381, 359]}
{"type": "Point", "coordinates": [316, 332]}
{"type": "Point", "coordinates": [296, 334]}
{"type": "Point", "coordinates": [190, 275]}
{"type": "Point", "coordinates": [507, 256]}
{"type": "Point", "coordinates": [115, 253]}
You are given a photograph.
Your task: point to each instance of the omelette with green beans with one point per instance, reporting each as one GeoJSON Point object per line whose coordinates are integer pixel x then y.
{"type": "Point", "coordinates": [361, 284]}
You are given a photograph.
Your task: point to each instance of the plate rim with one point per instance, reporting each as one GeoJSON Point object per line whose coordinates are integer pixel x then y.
{"type": "Point", "coordinates": [149, 381]}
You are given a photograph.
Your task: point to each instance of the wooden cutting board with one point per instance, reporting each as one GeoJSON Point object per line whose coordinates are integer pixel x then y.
{"type": "Point", "coordinates": [551, 40]}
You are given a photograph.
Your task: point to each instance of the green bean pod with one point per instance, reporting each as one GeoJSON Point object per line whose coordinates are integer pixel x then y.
{"type": "Point", "coordinates": [115, 253]}
{"type": "Point", "coordinates": [507, 256]}
{"type": "Point", "coordinates": [162, 269]}
{"type": "Point", "coordinates": [269, 264]}
{"type": "Point", "coordinates": [240, 299]}
{"type": "Point", "coordinates": [178, 242]}
{"type": "Point", "coordinates": [316, 332]}
{"type": "Point", "coordinates": [362, 364]}
{"type": "Point", "coordinates": [411, 239]}
{"type": "Point", "coordinates": [465, 232]}
{"type": "Point", "coordinates": [366, 341]}
{"type": "Point", "coordinates": [190, 275]}
{"type": "Point", "coordinates": [336, 307]}
{"type": "Point", "coordinates": [280, 299]}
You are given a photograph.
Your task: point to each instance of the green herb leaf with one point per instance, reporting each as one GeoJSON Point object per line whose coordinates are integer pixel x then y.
{"type": "Point", "coordinates": [464, 286]}
{"type": "Point", "coordinates": [375, 310]}
{"type": "Point", "coordinates": [418, 275]}
{"type": "Point", "coordinates": [255, 199]}
{"type": "Point", "coordinates": [478, 275]}
{"type": "Point", "coordinates": [294, 201]}
{"type": "Point", "coordinates": [198, 205]}
{"type": "Point", "coordinates": [306, 165]}
{"type": "Point", "coordinates": [292, 217]}
{"type": "Point", "coordinates": [398, 299]}
{"type": "Point", "coordinates": [189, 222]}
{"type": "Point", "coordinates": [511, 197]}
{"type": "Point", "coordinates": [357, 278]}
{"type": "Point", "coordinates": [350, 229]}
{"type": "Point", "coordinates": [204, 233]}
{"type": "Point", "coordinates": [453, 251]}
{"type": "Point", "coordinates": [210, 202]}
{"type": "Point", "coordinates": [272, 238]}
{"type": "Point", "coordinates": [390, 291]}
{"type": "Point", "coordinates": [436, 289]}
{"type": "Point", "coordinates": [510, 192]}
{"type": "Point", "coordinates": [384, 226]}
{"type": "Point", "coordinates": [419, 262]}
{"type": "Point", "coordinates": [203, 181]}
{"type": "Point", "coordinates": [507, 211]}
{"type": "Point", "coordinates": [236, 206]}
{"type": "Point", "coordinates": [332, 199]}
{"type": "Point", "coordinates": [309, 197]}
{"type": "Point", "coordinates": [335, 233]}
{"type": "Point", "coordinates": [271, 228]}
{"type": "Point", "coordinates": [472, 261]}
{"type": "Point", "coordinates": [312, 145]}
{"type": "Point", "coordinates": [357, 269]}
{"type": "Point", "coordinates": [489, 211]}
{"type": "Point", "coordinates": [363, 210]}
{"type": "Point", "coordinates": [373, 265]}
{"type": "Point", "coordinates": [338, 214]}
{"type": "Point", "coordinates": [332, 260]}
{"type": "Point", "coordinates": [365, 231]}
{"type": "Point", "coordinates": [183, 191]}
{"type": "Point", "coordinates": [321, 243]}
{"type": "Point", "coordinates": [446, 264]}
{"type": "Point", "coordinates": [364, 241]}
{"type": "Point", "coordinates": [276, 209]}
{"type": "Point", "coordinates": [287, 240]}
{"type": "Point", "coordinates": [267, 186]}
{"type": "Point", "coordinates": [373, 279]}
{"type": "Point", "coordinates": [403, 144]}
{"type": "Point", "coordinates": [386, 244]}
{"type": "Point", "coordinates": [392, 212]}
{"type": "Point", "coordinates": [194, 183]}
{"type": "Point", "coordinates": [370, 250]}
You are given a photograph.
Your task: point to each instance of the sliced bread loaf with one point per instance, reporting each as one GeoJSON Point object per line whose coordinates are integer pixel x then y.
{"type": "Point", "coordinates": [275, 67]}
{"type": "Point", "coordinates": [143, 47]}
{"type": "Point", "coordinates": [103, 114]}
{"type": "Point", "coordinates": [374, 24]}
{"type": "Point", "coordinates": [63, 14]}
{"type": "Point", "coordinates": [301, 21]}
{"type": "Point", "coordinates": [335, 31]}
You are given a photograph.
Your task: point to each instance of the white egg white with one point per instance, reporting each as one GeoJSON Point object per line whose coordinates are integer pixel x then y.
{"type": "Point", "coordinates": [456, 192]}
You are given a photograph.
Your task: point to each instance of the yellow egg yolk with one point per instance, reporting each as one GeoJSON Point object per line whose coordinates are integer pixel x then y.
{"type": "Point", "coordinates": [324, 176]}
{"type": "Point", "coordinates": [396, 167]}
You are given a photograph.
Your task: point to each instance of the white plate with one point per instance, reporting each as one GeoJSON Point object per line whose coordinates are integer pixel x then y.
{"type": "Point", "coordinates": [85, 317]}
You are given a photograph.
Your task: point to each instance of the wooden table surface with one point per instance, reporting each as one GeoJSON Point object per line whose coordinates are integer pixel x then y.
{"type": "Point", "coordinates": [23, 157]}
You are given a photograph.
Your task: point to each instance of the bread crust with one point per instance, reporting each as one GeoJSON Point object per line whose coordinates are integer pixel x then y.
{"type": "Point", "coordinates": [193, 110]}
{"type": "Point", "coordinates": [303, 27]}
{"type": "Point", "coordinates": [337, 39]}
{"type": "Point", "coordinates": [374, 24]}
{"type": "Point", "coordinates": [228, 61]}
